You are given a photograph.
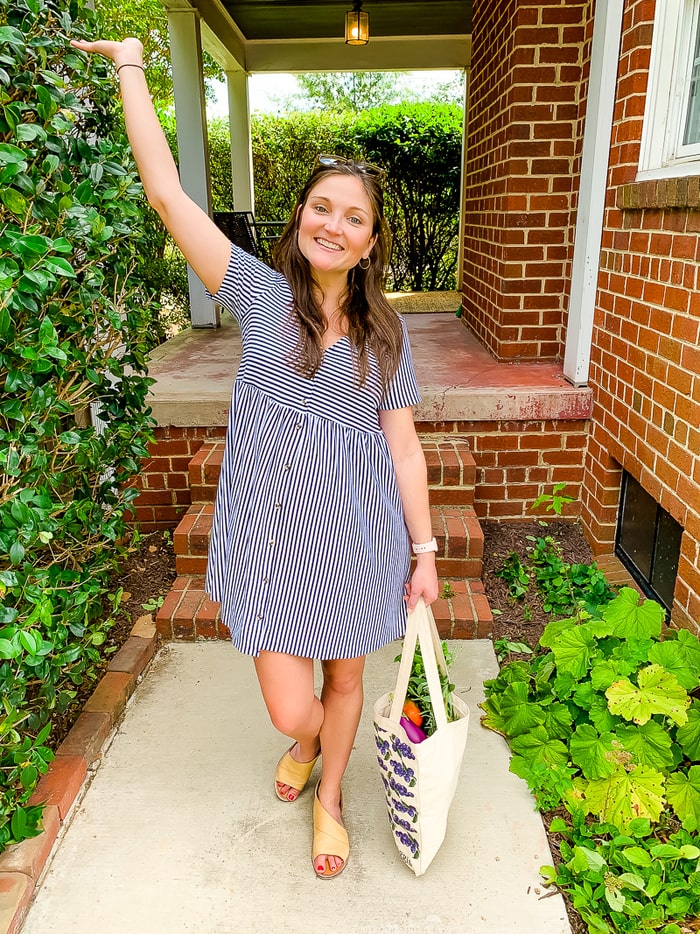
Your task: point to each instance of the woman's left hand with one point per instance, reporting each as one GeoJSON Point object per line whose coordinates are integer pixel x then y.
{"type": "Point", "coordinates": [423, 583]}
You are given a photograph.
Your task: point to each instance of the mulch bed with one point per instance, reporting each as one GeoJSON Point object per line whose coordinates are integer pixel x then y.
{"type": "Point", "coordinates": [524, 620]}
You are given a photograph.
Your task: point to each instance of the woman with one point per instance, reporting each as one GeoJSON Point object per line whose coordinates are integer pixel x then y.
{"type": "Point", "coordinates": [324, 477]}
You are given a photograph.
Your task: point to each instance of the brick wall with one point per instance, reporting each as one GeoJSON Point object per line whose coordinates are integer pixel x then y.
{"type": "Point", "coordinates": [645, 370]}
{"type": "Point", "coordinates": [527, 87]}
{"type": "Point", "coordinates": [516, 461]}
{"type": "Point", "coordinates": [164, 482]}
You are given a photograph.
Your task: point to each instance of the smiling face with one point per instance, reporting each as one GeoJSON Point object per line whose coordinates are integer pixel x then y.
{"type": "Point", "coordinates": [335, 226]}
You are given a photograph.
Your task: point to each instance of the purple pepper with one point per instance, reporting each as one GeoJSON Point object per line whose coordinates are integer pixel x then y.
{"type": "Point", "coordinates": [414, 733]}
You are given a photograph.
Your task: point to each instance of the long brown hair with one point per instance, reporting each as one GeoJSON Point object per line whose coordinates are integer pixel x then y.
{"type": "Point", "coordinates": [372, 322]}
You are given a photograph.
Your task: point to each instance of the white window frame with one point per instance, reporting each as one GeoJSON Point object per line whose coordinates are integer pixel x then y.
{"type": "Point", "coordinates": [663, 154]}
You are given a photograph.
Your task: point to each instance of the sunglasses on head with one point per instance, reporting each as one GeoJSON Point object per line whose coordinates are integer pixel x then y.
{"type": "Point", "coordinates": [373, 170]}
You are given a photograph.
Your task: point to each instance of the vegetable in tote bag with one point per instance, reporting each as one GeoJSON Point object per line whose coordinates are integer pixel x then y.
{"type": "Point", "coordinates": [420, 779]}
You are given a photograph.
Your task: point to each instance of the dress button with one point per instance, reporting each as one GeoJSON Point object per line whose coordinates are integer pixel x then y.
{"type": "Point", "coordinates": [298, 425]}
{"type": "Point", "coordinates": [287, 466]}
{"type": "Point", "coordinates": [304, 401]}
{"type": "Point", "coordinates": [266, 580]}
{"type": "Point", "coordinates": [258, 616]}
{"type": "Point", "coordinates": [278, 505]}
{"type": "Point", "coordinates": [272, 541]}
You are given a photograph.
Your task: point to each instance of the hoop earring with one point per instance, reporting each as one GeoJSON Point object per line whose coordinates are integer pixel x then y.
{"type": "Point", "coordinates": [368, 262]}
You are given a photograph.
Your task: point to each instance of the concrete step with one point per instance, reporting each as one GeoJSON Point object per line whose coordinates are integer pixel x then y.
{"type": "Point", "coordinates": [451, 470]}
{"type": "Point", "coordinates": [456, 528]}
{"type": "Point", "coordinates": [187, 614]}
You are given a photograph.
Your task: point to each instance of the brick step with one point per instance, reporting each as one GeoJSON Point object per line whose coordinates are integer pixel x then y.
{"type": "Point", "coordinates": [456, 528]}
{"type": "Point", "coordinates": [451, 470]}
{"type": "Point", "coordinates": [187, 614]}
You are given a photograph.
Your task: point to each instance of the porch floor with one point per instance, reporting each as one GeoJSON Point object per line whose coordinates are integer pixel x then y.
{"type": "Point", "coordinates": [458, 378]}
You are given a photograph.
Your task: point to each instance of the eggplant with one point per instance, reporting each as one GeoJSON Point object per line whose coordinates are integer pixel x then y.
{"type": "Point", "coordinates": [414, 733]}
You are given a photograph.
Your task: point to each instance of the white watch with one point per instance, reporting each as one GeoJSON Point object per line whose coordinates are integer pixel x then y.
{"type": "Point", "coordinates": [423, 547]}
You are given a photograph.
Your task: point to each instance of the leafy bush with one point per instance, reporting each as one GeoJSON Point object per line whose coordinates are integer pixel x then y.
{"type": "Point", "coordinates": [420, 145]}
{"type": "Point", "coordinates": [74, 326]}
{"type": "Point", "coordinates": [604, 724]}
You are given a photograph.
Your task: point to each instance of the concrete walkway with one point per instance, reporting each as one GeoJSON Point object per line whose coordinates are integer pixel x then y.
{"type": "Point", "coordinates": [180, 830]}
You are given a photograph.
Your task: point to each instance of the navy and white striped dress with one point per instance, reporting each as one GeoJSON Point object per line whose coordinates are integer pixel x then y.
{"type": "Point", "coordinates": [309, 550]}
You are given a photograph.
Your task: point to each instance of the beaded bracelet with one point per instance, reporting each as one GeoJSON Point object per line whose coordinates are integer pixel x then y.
{"type": "Point", "coordinates": [131, 65]}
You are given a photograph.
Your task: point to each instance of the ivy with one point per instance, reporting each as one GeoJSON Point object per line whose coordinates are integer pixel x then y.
{"type": "Point", "coordinates": [74, 338]}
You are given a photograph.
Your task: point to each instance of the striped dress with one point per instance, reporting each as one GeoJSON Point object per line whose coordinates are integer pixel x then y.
{"type": "Point", "coordinates": [309, 550]}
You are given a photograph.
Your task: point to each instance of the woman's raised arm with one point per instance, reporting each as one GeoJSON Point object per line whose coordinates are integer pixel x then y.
{"type": "Point", "coordinates": [204, 246]}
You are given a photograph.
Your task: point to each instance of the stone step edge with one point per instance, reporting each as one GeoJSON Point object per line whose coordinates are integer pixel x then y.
{"type": "Point", "coordinates": [203, 477]}
{"type": "Point", "coordinates": [191, 537]}
{"type": "Point", "coordinates": [22, 864]}
{"type": "Point", "coordinates": [188, 615]}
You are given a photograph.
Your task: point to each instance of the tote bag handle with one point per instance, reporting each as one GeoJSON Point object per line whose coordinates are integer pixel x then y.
{"type": "Point", "coordinates": [421, 628]}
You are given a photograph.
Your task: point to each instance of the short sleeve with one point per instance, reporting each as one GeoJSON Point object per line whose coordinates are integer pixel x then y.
{"type": "Point", "coordinates": [402, 391]}
{"type": "Point", "coordinates": [245, 281]}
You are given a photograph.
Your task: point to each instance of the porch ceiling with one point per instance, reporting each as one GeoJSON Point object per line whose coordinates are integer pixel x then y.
{"type": "Point", "coordinates": [287, 35]}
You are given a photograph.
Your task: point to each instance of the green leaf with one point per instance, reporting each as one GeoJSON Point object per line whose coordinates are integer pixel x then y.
{"type": "Point", "coordinates": [630, 619]}
{"type": "Point", "coordinates": [625, 796]}
{"type": "Point", "coordinates": [537, 746]}
{"type": "Point", "coordinates": [637, 855]}
{"type": "Point", "coordinates": [59, 266]}
{"type": "Point", "coordinates": [573, 651]}
{"type": "Point", "coordinates": [14, 201]}
{"type": "Point", "coordinates": [594, 754]}
{"type": "Point", "coordinates": [557, 720]}
{"type": "Point", "coordinates": [688, 735]}
{"type": "Point", "coordinates": [683, 793]}
{"type": "Point", "coordinates": [649, 744]}
{"type": "Point", "coordinates": [16, 552]}
{"type": "Point", "coordinates": [658, 693]}
{"type": "Point", "coordinates": [586, 860]}
{"type": "Point", "coordinates": [671, 656]}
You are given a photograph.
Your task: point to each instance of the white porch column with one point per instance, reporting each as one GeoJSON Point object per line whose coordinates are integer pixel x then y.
{"type": "Point", "coordinates": [190, 112]}
{"type": "Point", "coordinates": [241, 145]}
{"type": "Point", "coordinates": [605, 52]}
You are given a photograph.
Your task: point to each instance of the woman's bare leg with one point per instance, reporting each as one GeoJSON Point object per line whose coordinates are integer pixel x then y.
{"type": "Point", "coordinates": [287, 685]}
{"type": "Point", "coordinates": [341, 698]}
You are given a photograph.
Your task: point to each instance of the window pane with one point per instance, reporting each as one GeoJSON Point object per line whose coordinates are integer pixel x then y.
{"type": "Point", "coordinates": [637, 524]}
{"type": "Point", "coordinates": [666, 553]}
{"type": "Point", "coordinates": [692, 120]}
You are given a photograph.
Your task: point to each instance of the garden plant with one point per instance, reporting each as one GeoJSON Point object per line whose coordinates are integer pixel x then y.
{"type": "Point", "coordinates": [603, 720]}
{"type": "Point", "coordinates": [75, 319]}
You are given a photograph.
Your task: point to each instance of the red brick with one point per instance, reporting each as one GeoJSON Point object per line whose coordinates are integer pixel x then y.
{"type": "Point", "coordinates": [30, 856]}
{"type": "Point", "coordinates": [111, 694]}
{"type": "Point", "coordinates": [133, 656]}
{"type": "Point", "coordinates": [16, 890]}
{"type": "Point", "coordinates": [87, 736]}
{"type": "Point", "coordinates": [61, 784]}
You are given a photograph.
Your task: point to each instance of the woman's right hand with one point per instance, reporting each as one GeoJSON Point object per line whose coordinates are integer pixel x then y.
{"type": "Point", "coordinates": [127, 52]}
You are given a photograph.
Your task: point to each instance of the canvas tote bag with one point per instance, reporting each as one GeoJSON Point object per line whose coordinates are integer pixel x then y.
{"type": "Point", "coordinates": [419, 779]}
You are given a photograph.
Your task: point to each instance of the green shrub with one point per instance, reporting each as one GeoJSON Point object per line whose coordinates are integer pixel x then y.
{"type": "Point", "coordinates": [420, 145]}
{"type": "Point", "coordinates": [604, 725]}
{"type": "Point", "coordinates": [74, 336]}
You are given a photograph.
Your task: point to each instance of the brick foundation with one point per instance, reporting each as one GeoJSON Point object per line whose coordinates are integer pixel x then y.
{"type": "Point", "coordinates": [163, 483]}
{"type": "Point", "coordinates": [645, 365]}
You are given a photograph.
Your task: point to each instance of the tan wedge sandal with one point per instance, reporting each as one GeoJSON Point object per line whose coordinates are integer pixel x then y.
{"type": "Point", "coordinates": [293, 773]}
{"type": "Point", "coordinates": [330, 839]}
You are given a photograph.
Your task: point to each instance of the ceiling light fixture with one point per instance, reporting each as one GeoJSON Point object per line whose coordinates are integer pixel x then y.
{"type": "Point", "coordinates": [356, 25]}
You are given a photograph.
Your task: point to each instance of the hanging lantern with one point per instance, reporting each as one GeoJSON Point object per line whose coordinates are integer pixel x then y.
{"type": "Point", "coordinates": [356, 25]}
